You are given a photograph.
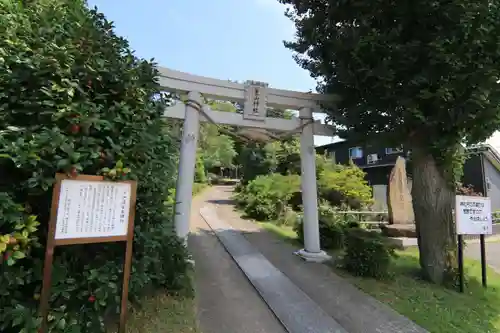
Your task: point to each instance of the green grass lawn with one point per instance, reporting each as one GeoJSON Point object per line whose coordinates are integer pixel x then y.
{"type": "Point", "coordinates": [435, 308]}
{"type": "Point", "coordinates": [284, 232]}
{"type": "Point", "coordinates": [163, 313]}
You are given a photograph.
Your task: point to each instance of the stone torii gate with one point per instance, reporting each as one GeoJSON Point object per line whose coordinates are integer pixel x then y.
{"type": "Point", "coordinates": [256, 97]}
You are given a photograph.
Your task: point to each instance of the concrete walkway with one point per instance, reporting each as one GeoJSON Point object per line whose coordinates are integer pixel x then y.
{"type": "Point", "coordinates": [296, 291]}
{"type": "Point", "coordinates": [227, 302]}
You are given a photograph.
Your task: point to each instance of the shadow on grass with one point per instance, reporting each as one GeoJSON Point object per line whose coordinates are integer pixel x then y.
{"type": "Point", "coordinates": [164, 313]}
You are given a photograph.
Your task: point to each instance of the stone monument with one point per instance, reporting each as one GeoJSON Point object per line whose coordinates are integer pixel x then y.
{"type": "Point", "coordinates": [399, 203]}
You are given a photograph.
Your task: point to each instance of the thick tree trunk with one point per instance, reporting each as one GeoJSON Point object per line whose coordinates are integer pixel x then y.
{"type": "Point", "coordinates": [433, 199]}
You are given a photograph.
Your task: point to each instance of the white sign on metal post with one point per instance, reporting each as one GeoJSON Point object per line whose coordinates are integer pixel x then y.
{"type": "Point", "coordinates": [473, 215]}
{"type": "Point", "coordinates": [92, 209]}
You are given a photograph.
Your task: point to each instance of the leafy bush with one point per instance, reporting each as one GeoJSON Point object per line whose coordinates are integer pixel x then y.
{"type": "Point", "coordinates": [257, 159]}
{"type": "Point", "coordinates": [344, 185]}
{"type": "Point", "coordinates": [332, 236]}
{"type": "Point", "coordinates": [496, 216]}
{"type": "Point", "coordinates": [367, 253]}
{"type": "Point", "coordinates": [266, 197]}
{"type": "Point", "coordinates": [199, 171]}
{"type": "Point", "coordinates": [17, 231]}
{"type": "Point", "coordinates": [331, 227]}
{"type": "Point", "coordinates": [74, 99]}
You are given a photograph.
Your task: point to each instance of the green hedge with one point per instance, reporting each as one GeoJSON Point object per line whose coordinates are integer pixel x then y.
{"type": "Point", "coordinates": [289, 217]}
{"type": "Point", "coordinates": [75, 99]}
{"type": "Point", "coordinates": [367, 253]}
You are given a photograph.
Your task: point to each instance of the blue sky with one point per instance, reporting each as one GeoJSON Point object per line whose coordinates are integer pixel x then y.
{"type": "Point", "coordinates": [225, 39]}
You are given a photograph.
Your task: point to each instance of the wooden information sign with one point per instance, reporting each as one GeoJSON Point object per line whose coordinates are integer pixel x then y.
{"type": "Point", "coordinates": [87, 209]}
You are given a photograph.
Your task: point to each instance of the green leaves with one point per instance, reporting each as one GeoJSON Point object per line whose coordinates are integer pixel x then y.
{"type": "Point", "coordinates": [75, 99]}
{"type": "Point", "coordinates": [344, 185]}
{"type": "Point", "coordinates": [216, 149]}
{"type": "Point", "coordinates": [260, 159]}
{"type": "Point", "coordinates": [266, 197]}
{"type": "Point", "coordinates": [409, 67]}
{"type": "Point", "coordinates": [18, 255]}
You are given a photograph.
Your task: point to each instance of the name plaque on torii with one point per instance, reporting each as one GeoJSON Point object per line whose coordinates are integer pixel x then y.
{"type": "Point", "coordinates": [255, 106]}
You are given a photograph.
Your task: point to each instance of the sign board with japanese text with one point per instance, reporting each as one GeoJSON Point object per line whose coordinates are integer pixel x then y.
{"type": "Point", "coordinates": [473, 215]}
{"type": "Point", "coordinates": [88, 209]}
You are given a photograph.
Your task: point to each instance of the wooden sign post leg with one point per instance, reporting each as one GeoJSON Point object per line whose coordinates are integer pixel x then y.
{"type": "Point", "coordinates": [47, 281]}
{"type": "Point", "coordinates": [126, 277]}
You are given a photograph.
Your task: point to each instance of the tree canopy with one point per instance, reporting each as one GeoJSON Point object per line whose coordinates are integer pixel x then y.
{"type": "Point", "coordinates": [426, 70]}
{"type": "Point", "coordinates": [422, 73]}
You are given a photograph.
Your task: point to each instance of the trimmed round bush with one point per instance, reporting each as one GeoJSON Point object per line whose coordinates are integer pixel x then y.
{"type": "Point", "coordinates": [367, 253]}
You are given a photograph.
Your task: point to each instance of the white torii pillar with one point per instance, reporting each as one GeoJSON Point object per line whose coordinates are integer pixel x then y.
{"type": "Point", "coordinates": [187, 165]}
{"type": "Point", "coordinates": [312, 250]}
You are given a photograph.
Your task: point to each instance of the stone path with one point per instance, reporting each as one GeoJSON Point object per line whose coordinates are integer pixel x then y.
{"type": "Point", "coordinates": [227, 302]}
{"type": "Point", "coordinates": [301, 290]}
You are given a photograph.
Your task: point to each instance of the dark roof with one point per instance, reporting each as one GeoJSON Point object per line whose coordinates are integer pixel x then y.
{"type": "Point", "coordinates": [487, 150]}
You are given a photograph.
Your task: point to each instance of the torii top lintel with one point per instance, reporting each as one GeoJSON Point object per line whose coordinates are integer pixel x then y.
{"type": "Point", "coordinates": [176, 81]}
